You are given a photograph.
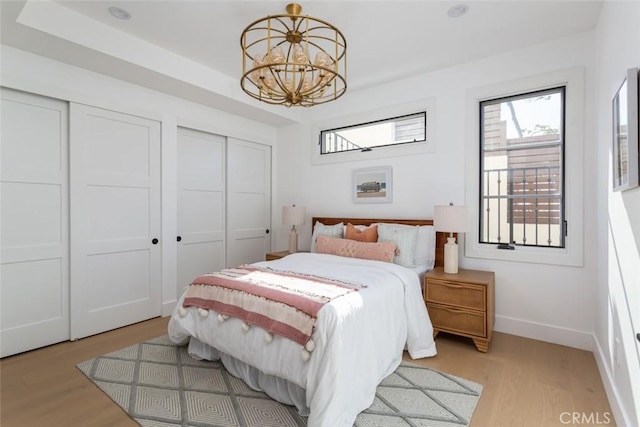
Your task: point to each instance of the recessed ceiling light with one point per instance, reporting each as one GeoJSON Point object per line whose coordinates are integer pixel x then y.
{"type": "Point", "coordinates": [120, 13]}
{"type": "Point", "coordinates": [457, 10]}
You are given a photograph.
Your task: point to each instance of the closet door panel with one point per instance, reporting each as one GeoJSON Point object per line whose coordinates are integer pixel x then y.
{"type": "Point", "coordinates": [45, 296]}
{"type": "Point", "coordinates": [34, 255]}
{"type": "Point", "coordinates": [115, 227]}
{"type": "Point", "coordinates": [31, 214]}
{"type": "Point", "coordinates": [40, 147]}
{"type": "Point", "coordinates": [249, 201]}
{"type": "Point", "coordinates": [201, 204]}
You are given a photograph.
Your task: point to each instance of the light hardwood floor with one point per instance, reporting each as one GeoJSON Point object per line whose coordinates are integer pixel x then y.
{"type": "Point", "coordinates": [526, 382]}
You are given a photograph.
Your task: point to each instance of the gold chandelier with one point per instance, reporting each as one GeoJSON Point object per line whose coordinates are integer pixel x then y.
{"type": "Point", "coordinates": [295, 60]}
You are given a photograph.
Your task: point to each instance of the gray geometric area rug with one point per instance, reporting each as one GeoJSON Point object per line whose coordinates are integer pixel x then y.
{"type": "Point", "coordinates": [159, 385]}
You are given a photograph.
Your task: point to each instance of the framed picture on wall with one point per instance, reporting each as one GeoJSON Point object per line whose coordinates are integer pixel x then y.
{"type": "Point", "coordinates": [372, 185]}
{"type": "Point", "coordinates": [625, 134]}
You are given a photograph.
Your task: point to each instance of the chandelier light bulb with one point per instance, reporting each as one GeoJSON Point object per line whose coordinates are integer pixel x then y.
{"type": "Point", "coordinates": [288, 85]}
{"type": "Point", "coordinates": [322, 60]}
{"type": "Point", "coordinates": [268, 80]}
{"type": "Point", "coordinates": [307, 84]}
{"type": "Point", "coordinates": [276, 56]}
{"type": "Point", "coordinates": [258, 60]}
{"type": "Point", "coordinates": [257, 73]}
{"type": "Point", "coordinates": [255, 77]}
{"type": "Point", "coordinates": [300, 56]}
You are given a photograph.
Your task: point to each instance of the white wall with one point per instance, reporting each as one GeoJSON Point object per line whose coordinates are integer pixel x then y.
{"type": "Point", "coordinates": [617, 321]}
{"type": "Point", "coordinates": [548, 302]}
{"type": "Point", "coordinates": [31, 73]}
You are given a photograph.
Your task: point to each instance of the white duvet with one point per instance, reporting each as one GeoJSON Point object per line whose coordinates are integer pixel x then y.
{"type": "Point", "coordinates": [359, 337]}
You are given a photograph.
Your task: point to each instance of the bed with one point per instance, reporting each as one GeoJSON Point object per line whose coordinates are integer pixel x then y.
{"type": "Point", "coordinates": [358, 338]}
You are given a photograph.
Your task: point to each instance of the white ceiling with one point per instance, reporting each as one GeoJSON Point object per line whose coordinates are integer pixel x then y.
{"type": "Point", "coordinates": [191, 48]}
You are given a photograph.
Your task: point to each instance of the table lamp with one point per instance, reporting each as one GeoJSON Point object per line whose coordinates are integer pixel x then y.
{"type": "Point", "coordinates": [293, 215]}
{"type": "Point", "coordinates": [450, 219]}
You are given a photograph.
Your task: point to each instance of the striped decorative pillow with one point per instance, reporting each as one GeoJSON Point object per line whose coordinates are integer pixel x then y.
{"type": "Point", "coordinates": [404, 238]}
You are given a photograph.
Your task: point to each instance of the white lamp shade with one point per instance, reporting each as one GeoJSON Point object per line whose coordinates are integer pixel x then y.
{"type": "Point", "coordinates": [293, 215]}
{"type": "Point", "coordinates": [450, 219]}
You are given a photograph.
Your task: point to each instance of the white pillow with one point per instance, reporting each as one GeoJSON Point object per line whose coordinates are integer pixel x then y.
{"type": "Point", "coordinates": [426, 247]}
{"type": "Point", "coordinates": [425, 250]}
{"type": "Point", "coordinates": [404, 238]}
{"type": "Point", "coordinates": [320, 229]}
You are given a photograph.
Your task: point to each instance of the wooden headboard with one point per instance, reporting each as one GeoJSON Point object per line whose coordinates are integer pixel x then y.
{"type": "Point", "coordinates": [441, 238]}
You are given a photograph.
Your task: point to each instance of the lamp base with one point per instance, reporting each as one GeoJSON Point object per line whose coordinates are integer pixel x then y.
{"type": "Point", "coordinates": [293, 240]}
{"type": "Point", "coordinates": [451, 256]}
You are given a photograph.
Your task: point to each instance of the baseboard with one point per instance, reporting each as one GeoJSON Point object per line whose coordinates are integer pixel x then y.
{"type": "Point", "coordinates": [619, 413]}
{"type": "Point", "coordinates": [168, 307]}
{"type": "Point", "coordinates": [542, 332]}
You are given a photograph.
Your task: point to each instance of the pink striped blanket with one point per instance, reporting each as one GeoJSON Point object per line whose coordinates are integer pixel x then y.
{"type": "Point", "coordinates": [282, 303]}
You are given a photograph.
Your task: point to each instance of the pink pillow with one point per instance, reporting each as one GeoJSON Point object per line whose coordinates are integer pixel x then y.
{"type": "Point", "coordinates": [378, 251]}
{"type": "Point", "coordinates": [369, 234]}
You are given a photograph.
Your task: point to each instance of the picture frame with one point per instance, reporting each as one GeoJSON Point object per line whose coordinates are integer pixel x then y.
{"type": "Point", "coordinates": [372, 185]}
{"type": "Point", "coordinates": [624, 153]}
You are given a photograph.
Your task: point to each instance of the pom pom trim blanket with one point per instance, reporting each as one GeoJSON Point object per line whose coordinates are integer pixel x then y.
{"type": "Point", "coordinates": [282, 303]}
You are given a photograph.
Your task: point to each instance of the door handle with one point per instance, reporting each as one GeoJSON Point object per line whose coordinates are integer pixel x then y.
{"type": "Point", "coordinates": [179, 238]}
{"type": "Point", "coordinates": [154, 241]}
{"type": "Point", "coordinates": [267, 231]}
{"type": "Point", "coordinates": [638, 336]}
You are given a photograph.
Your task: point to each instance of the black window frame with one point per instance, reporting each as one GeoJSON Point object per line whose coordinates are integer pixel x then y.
{"type": "Point", "coordinates": [321, 139]}
{"type": "Point", "coordinates": [562, 90]}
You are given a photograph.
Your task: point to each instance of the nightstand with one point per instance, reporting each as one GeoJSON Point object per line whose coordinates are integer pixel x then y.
{"type": "Point", "coordinates": [271, 256]}
{"type": "Point", "coordinates": [462, 304]}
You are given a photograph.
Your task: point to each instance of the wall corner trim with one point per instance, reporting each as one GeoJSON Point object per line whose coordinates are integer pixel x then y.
{"type": "Point", "coordinates": [619, 413]}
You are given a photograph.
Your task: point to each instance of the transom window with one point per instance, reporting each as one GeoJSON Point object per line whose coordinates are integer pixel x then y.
{"type": "Point", "coordinates": [381, 133]}
{"type": "Point", "coordinates": [522, 170]}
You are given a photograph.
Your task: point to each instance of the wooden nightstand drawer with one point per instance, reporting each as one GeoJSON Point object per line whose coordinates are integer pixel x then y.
{"type": "Point", "coordinates": [464, 322]}
{"type": "Point", "coordinates": [463, 295]}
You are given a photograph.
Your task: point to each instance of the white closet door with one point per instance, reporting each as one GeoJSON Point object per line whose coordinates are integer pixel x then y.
{"type": "Point", "coordinates": [34, 277]}
{"type": "Point", "coordinates": [201, 205]}
{"type": "Point", "coordinates": [248, 201]}
{"type": "Point", "coordinates": [115, 220]}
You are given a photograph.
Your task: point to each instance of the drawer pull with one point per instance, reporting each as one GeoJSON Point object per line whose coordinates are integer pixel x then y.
{"type": "Point", "coordinates": [451, 285]}
{"type": "Point", "coordinates": [456, 310]}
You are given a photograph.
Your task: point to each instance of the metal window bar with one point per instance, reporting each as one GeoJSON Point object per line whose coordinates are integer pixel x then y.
{"type": "Point", "coordinates": [524, 210]}
{"type": "Point", "coordinates": [549, 206]}
{"type": "Point", "coordinates": [536, 213]}
{"type": "Point", "coordinates": [510, 199]}
{"type": "Point", "coordinates": [489, 207]}
{"type": "Point", "coordinates": [549, 196]}
{"type": "Point", "coordinates": [335, 142]}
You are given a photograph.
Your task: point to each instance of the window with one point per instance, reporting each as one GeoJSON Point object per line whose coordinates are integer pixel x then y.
{"type": "Point", "coordinates": [522, 170]}
{"type": "Point", "coordinates": [380, 133]}
{"type": "Point", "coordinates": [410, 129]}
{"type": "Point", "coordinates": [567, 246]}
